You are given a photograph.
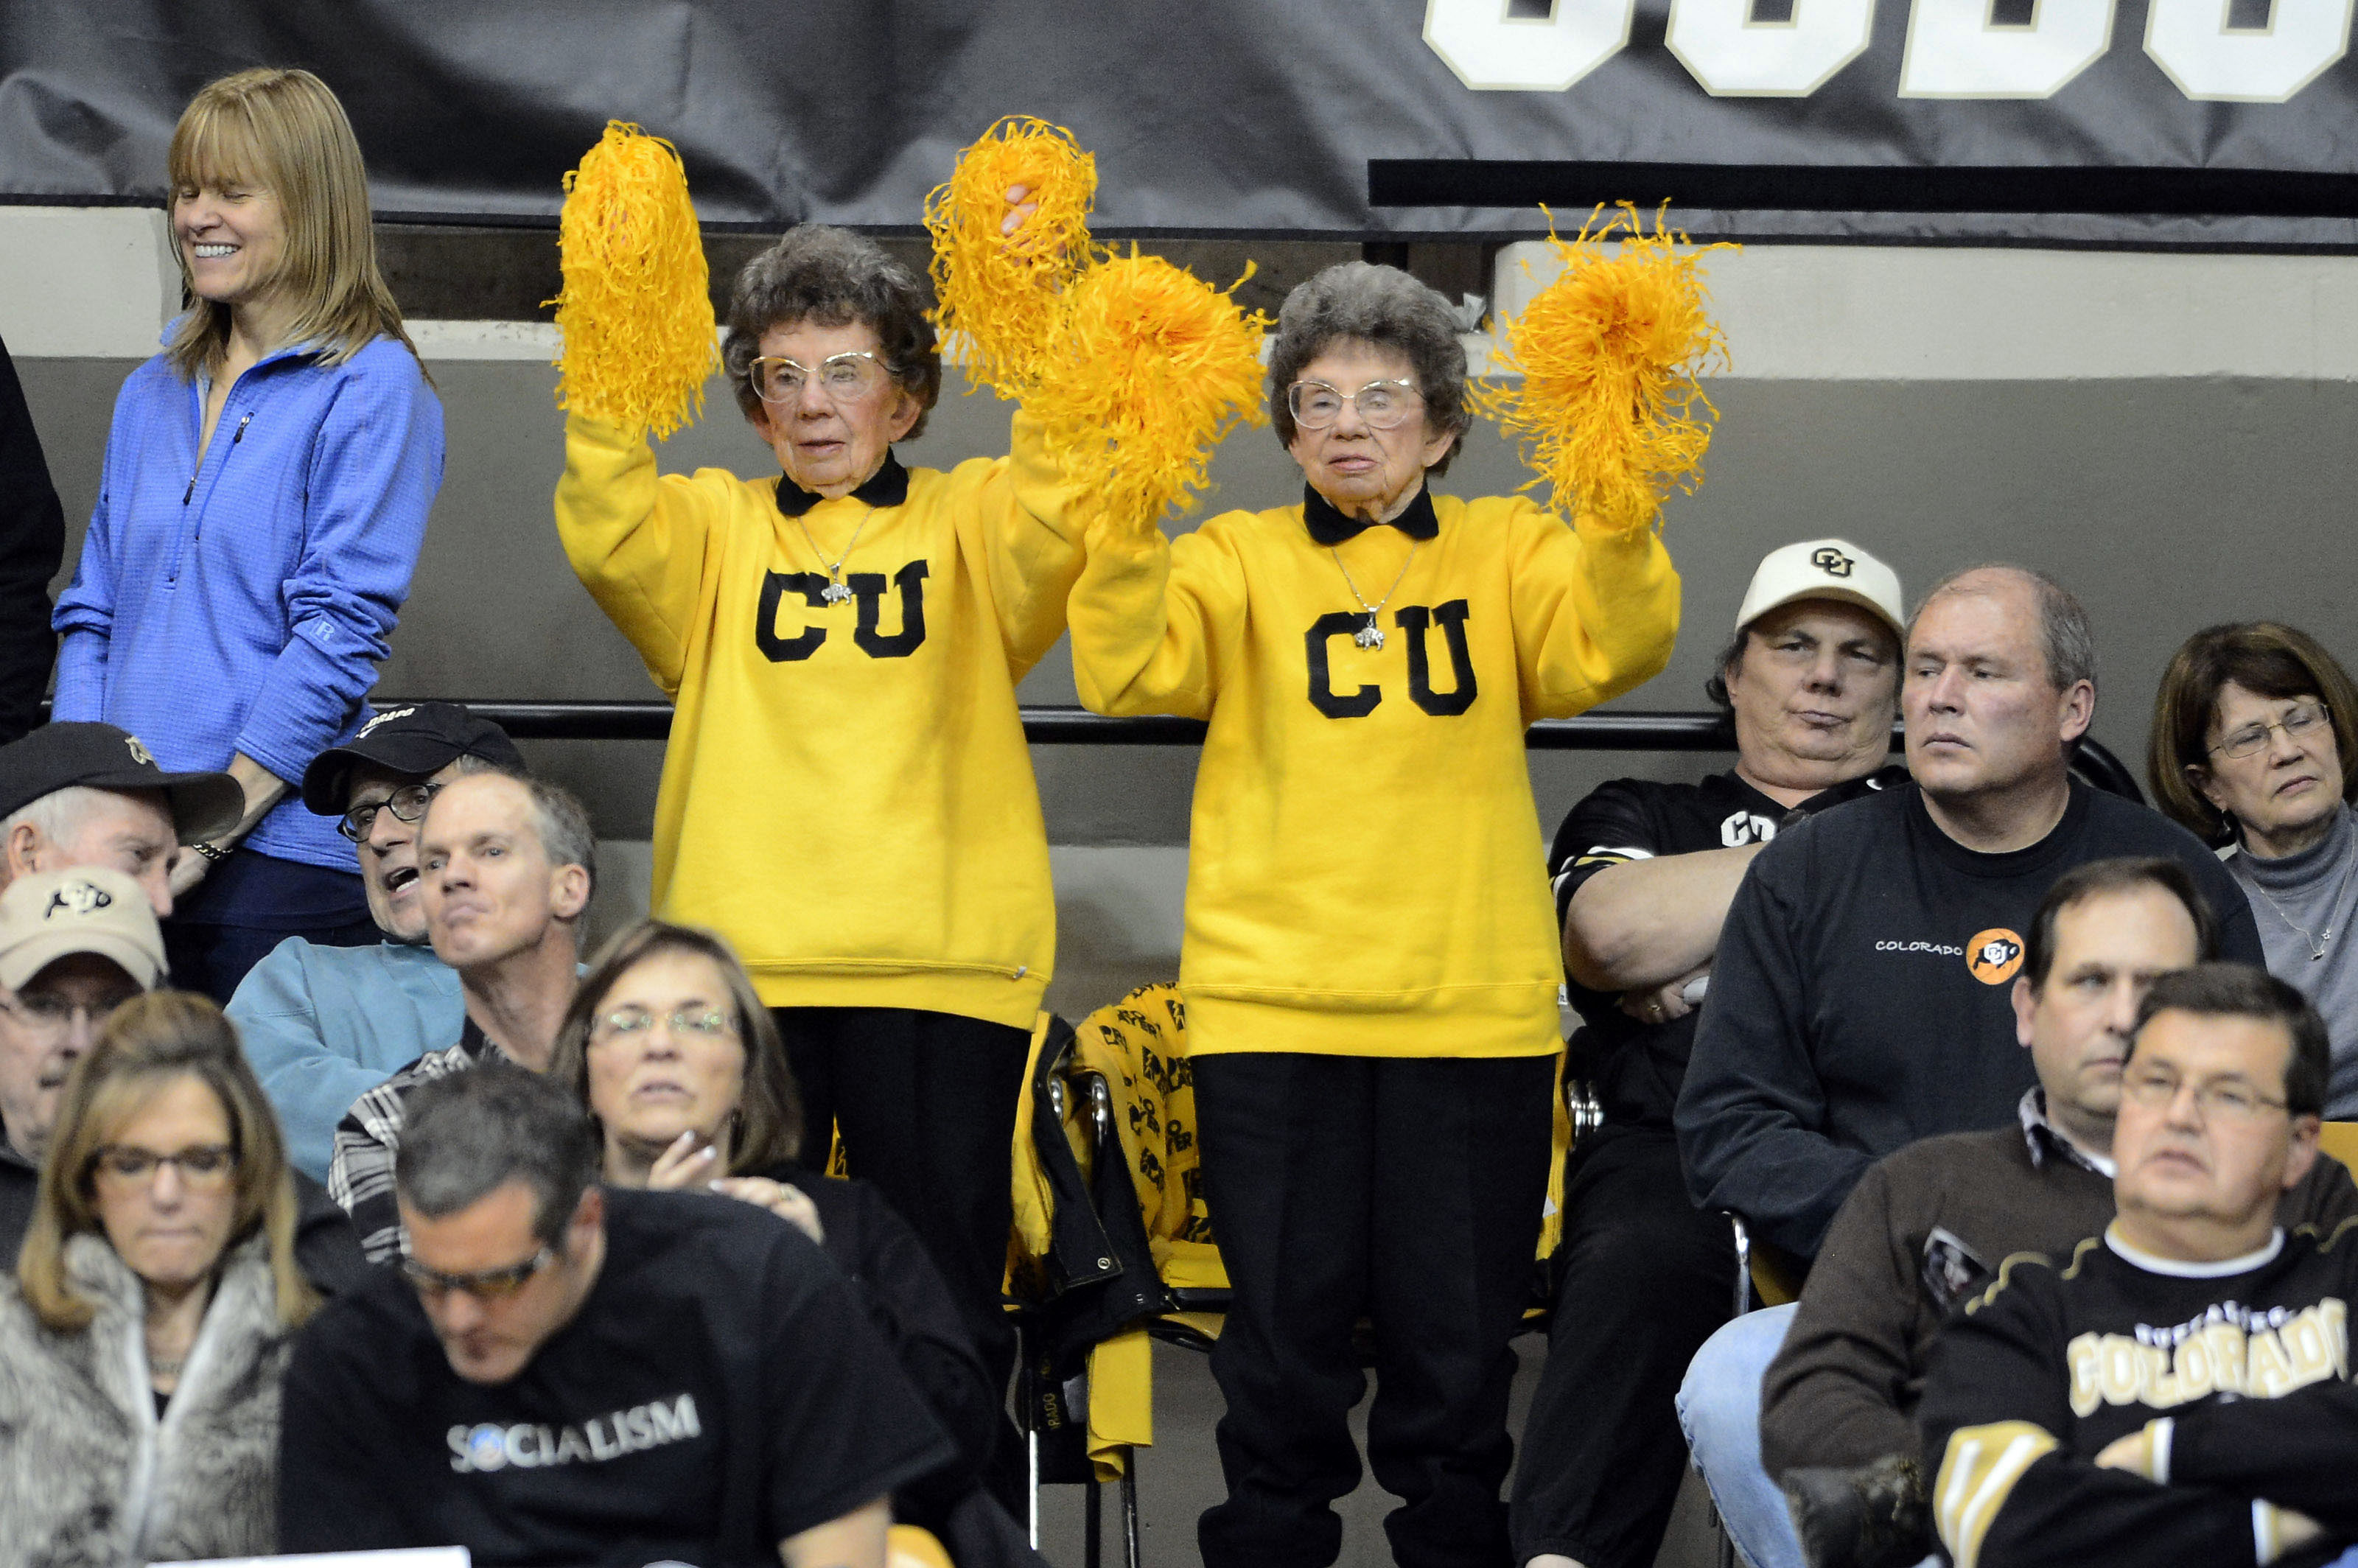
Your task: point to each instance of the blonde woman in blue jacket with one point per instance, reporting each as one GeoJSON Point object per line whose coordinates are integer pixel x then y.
{"type": "Point", "coordinates": [265, 495]}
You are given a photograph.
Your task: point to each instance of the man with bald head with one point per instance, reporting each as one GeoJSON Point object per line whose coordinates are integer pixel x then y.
{"type": "Point", "coordinates": [504, 873]}
{"type": "Point", "coordinates": [1860, 996]}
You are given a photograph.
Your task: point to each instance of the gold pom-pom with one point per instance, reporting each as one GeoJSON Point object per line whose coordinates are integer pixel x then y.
{"type": "Point", "coordinates": [1149, 367]}
{"type": "Point", "coordinates": [636, 308]}
{"type": "Point", "coordinates": [1001, 293]}
{"type": "Point", "coordinates": [1609, 405]}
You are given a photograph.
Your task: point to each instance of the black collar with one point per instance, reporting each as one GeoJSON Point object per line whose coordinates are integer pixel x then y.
{"type": "Point", "coordinates": [1329, 527]}
{"type": "Point", "coordinates": [888, 486]}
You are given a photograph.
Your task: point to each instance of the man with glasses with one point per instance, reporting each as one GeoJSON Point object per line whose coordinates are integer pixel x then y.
{"type": "Point", "coordinates": [74, 946]}
{"type": "Point", "coordinates": [505, 876]}
{"type": "Point", "coordinates": [324, 1025]}
{"type": "Point", "coordinates": [561, 1372]}
{"type": "Point", "coordinates": [2178, 1389]}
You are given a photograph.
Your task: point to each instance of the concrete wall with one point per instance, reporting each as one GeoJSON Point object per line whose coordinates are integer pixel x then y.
{"type": "Point", "coordinates": [2169, 435]}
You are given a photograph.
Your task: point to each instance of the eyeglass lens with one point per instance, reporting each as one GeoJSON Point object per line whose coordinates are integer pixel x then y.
{"type": "Point", "coordinates": [2253, 736]}
{"type": "Point", "coordinates": [842, 377]}
{"type": "Point", "coordinates": [206, 1164]}
{"type": "Point", "coordinates": [1381, 404]}
{"type": "Point", "coordinates": [407, 803]}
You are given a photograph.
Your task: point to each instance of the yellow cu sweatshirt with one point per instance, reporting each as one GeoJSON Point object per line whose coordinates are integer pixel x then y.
{"type": "Point", "coordinates": [846, 795]}
{"type": "Point", "coordinates": [1365, 870]}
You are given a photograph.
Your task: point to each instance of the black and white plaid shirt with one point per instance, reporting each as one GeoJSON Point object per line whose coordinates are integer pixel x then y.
{"type": "Point", "coordinates": [360, 1176]}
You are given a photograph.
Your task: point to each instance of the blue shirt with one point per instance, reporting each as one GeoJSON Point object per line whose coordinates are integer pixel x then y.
{"type": "Point", "coordinates": [244, 603]}
{"type": "Point", "coordinates": [322, 1026]}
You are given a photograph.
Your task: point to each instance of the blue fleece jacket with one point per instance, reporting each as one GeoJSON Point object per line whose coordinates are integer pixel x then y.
{"type": "Point", "coordinates": [244, 604]}
{"type": "Point", "coordinates": [324, 1025]}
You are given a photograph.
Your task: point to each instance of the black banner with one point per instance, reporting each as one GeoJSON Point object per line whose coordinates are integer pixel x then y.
{"type": "Point", "coordinates": [2145, 122]}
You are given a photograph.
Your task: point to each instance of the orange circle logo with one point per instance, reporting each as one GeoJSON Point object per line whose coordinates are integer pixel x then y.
{"type": "Point", "coordinates": [1994, 956]}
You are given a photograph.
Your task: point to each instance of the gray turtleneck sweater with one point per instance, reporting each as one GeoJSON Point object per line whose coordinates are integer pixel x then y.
{"type": "Point", "coordinates": [2316, 888]}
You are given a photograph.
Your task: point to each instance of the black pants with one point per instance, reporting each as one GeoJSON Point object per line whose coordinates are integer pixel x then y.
{"type": "Point", "coordinates": [248, 905]}
{"type": "Point", "coordinates": [1642, 1280]}
{"type": "Point", "coordinates": [927, 1105]}
{"type": "Point", "coordinates": [1404, 1190]}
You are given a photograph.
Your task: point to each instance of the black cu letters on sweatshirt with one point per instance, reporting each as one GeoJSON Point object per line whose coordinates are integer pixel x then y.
{"type": "Point", "coordinates": [1414, 620]}
{"type": "Point", "coordinates": [868, 590]}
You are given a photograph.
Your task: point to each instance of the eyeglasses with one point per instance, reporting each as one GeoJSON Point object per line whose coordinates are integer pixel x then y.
{"type": "Point", "coordinates": [204, 1168]}
{"type": "Point", "coordinates": [2227, 1098]}
{"type": "Point", "coordinates": [844, 378]}
{"type": "Point", "coordinates": [484, 1285]}
{"type": "Point", "coordinates": [702, 1023]}
{"type": "Point", "coordinates": [1381, 404]}
{"type": "Point", "coordinates": [2302, 720]}
{"type": "Point", "coordinates": [407, 803]}
{"type": "Point", "coordinates": [50, 1016]}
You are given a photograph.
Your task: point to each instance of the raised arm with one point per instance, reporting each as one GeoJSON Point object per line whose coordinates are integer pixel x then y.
{"type": "Point", "coordinates": [1596, 611]}
{"type": "Point", "coordinates": [1020, 529]}
{"type": "Point", "coordinates": [643, 546]}
{"type": "Point", "coordinates": [1750, 1112]}
{"type": "Point", "coordinates": [1149, 617]}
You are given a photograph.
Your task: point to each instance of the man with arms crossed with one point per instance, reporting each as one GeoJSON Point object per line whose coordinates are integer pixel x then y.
{"type": "Point", "coordinates": [2178, 1390]}
{"type": "Point", "coordinates": [1643, 874]}
{"type": "Point", "coordinates": [324, 1025]}
{"type": "Point", "coordinates": [561, 1372]}
{"type": "Point", "coordinates": [504, 866]}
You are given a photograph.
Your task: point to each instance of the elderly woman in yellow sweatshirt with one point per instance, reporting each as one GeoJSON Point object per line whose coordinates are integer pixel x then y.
{"type": "Point", "coordinates": [1371, 962]}
{"type": "Point", "coordinates": [846, 795]}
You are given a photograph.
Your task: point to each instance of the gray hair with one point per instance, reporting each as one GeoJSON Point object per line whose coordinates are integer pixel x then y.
{"type": "Point", "coordinates": [57, 815]}
{"type": "Point", "coordinates": [559, 820]}
{"type": "Point", "coordinates": [2066, 640]}
{"type": "Point", "coordinates": [465, 1136]}
{"type": "Point", "coordinates": [1382, 306]}
{"type": "Point", "coordinates": [836, 278]}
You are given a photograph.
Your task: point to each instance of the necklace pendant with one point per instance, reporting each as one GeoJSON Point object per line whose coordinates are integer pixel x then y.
{"type": "Point", "coordinates": [1370, 635]}
{"type": "Point", "coordinates": [835, 593]}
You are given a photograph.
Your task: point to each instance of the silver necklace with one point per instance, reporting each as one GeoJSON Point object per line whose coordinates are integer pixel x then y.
{"type": "Point", "coordinates": [2323, 939]}
{"type": "Point", "coordinates": [1372, 635]}
{"type": "Point", "coordinates": [835, 593]}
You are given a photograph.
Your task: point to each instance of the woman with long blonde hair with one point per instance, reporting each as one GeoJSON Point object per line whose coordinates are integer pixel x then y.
{"type": "Point", "coordinates": [155, 1303]}
{"type": "Point", "coordinates": [265, 495]}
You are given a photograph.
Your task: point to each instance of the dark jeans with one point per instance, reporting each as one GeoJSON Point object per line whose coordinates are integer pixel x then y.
{"type": "Point", "coordinates": [927, 1105]}
{"type": "Point", "coordinates": [1642, 1279]}
{"type": "Point", "coordinates": [250, 903]}
{"type": "Point", "coordinates": [1404, 1190]}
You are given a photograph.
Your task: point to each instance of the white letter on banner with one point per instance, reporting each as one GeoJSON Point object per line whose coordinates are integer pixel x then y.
{"type": "Point", "coordinates": [1491, 52]}
{"type": "Point", "coordinates": [2191, 42]}
{"type": "Point", "coordinates": [1954, 50]}
{"type": "Point", "coordinates": [1735, 56]}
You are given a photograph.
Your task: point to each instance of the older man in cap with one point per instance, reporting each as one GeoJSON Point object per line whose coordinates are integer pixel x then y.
{"type": "Point", "coordinates": [1644, 875]}
{"type": "Point", "coordinates": [90, 794]}
{"type": "Point", "coordinates": [323, 1025]}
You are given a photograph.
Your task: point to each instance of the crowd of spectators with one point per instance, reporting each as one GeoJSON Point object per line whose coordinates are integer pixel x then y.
{"type": "Point", "coordinates": [442, 1233]}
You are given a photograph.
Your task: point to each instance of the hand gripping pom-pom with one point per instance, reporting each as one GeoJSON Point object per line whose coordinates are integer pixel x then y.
{"type": "Point", "coordinates": [1609, 408]}
{"type": "Point", "coordinates": [1001, 293]}
{"type": "Point", "coordinates": [1149, 368]}
{"type": "Point", "coordinates": [636, 309]}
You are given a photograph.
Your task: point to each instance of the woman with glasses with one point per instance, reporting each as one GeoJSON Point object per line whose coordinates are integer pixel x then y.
{"type": "Point", "coordinates": [669, 1045]}
{"type": "Point", "coordinates": [2254, 742]}
{"type": "Point", "coordinates": [154, 1306]}
{"type": "Point", "coordinates": [263, 502]}
{"type": "Point", "coordinates": [846, 795]}
{"type": "Point", "coordinates": [1371, 960]}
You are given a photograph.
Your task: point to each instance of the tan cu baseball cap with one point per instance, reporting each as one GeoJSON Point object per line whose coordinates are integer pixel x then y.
{"type": "Point", "coordinates": [1823, 568]}
{"type": "Point", "coordinates": [87, 909]}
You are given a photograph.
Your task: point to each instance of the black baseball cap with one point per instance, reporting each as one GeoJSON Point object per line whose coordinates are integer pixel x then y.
{"type": "Point", "coordinates": [59, 756]}
{"type": "Point", "coordinates": [416, 739]}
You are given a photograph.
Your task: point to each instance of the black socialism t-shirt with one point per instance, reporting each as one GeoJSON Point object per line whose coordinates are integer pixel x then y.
{"type": "Point", "coordinates": [720, 1390]}
{"type": "Point", "coordinates": [1636, 1067]}
{"type": "Point", "coordinates": [1860, 996]}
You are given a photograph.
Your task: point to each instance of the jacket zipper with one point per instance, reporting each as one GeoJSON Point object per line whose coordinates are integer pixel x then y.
{"type": "Point", "coordinates": [198, 533]}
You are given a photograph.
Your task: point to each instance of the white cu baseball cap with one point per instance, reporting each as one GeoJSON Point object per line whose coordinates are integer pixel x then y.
{"type": "Point", "coordinates": [1823, 568]}
{"type": "Point", "coordinates": [86, 909]}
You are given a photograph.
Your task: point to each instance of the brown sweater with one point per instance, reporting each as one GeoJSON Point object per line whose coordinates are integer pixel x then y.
{"type": "Point", "coordinates": [1844, 1390]}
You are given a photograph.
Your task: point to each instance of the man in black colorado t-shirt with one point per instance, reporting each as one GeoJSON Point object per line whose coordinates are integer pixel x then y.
{"type": "Point", "coordinates": [652, 1376]}
{"type": "Point", "coordinates": [2178, 1390]}
{"type": "Point", "coordinates": [1643, 874]}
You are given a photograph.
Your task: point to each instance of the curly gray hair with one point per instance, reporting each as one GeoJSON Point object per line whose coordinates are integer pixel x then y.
{"type": "Point", "coordinates": [1385, 307]}
{"type": "Point", "coordinates": [833, 277]}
